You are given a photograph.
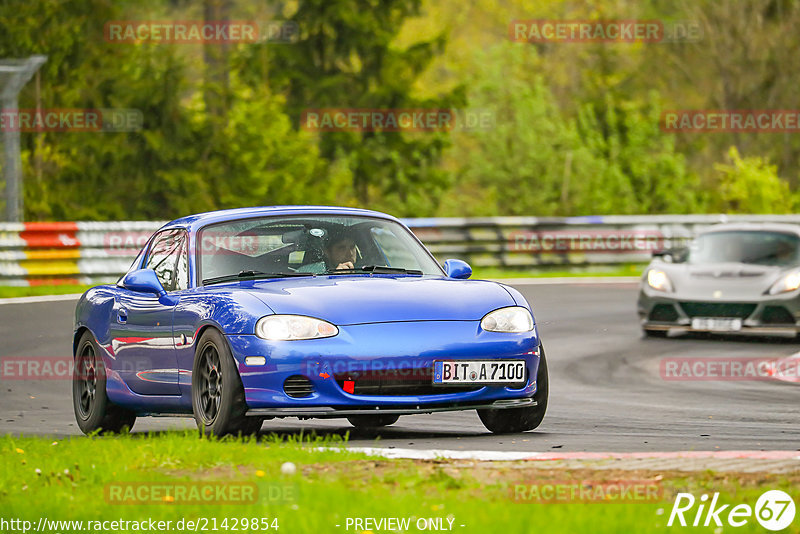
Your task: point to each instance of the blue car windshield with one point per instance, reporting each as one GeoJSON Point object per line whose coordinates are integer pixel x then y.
{"type": "Point", "coordinates": [311, 245]}
{"type": "Point", "coordinates": [753, 247]}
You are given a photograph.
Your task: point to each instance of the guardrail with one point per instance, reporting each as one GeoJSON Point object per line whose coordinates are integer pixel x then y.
{"type": "Point", "coordinates": [96, 252]}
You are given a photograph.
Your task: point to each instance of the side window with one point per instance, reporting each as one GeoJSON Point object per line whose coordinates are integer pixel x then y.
{"type": "Point", "coordinates": [167, 257]}
{"type": "Point", "coordinates": [182, 268]}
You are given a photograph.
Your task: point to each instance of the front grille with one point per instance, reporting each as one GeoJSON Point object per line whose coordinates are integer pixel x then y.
{"type": "Point", "coordinates": [663, 313]}
{"type": "Point", "coordinates": [777, 315]}
{"type": "Point", "coordinates": [396, 382]}
{"type": "Point", "coordinates": [297, 387]}
{"type": "Point", "coordinates": [718, 309]}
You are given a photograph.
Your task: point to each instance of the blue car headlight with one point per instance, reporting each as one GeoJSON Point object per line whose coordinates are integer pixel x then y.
{"type": "Point", "coordinates": [510, 319]}
{"type": "Point", "coordinates": [291, 327]}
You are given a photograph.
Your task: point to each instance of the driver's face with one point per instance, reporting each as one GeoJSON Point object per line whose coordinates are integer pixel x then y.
{"type": "Point", "coordinates": [342, 251]}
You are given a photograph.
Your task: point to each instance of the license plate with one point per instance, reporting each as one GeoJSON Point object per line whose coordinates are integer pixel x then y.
{"type": "Point", "coordinates": [479, 372]}
{"type": "Point", "coordinates": [716, 324]}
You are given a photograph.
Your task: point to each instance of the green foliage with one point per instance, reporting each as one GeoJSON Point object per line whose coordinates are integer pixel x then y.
{"type": "Point", "coordinates": [639, 169]}
{"type": "Point", "coordinates": [345, 58]}
{"type": "Point", "coordinates": [538, 160]}
{"type": "Point", "coordinates": [183, 160]}
{"type": "Point", "coordinates": [752, 185]}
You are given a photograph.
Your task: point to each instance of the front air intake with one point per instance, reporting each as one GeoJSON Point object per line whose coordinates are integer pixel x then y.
{"type": "Point", "coordinates": [777, 315]}
{"type": "Point", "coordinates": [742, 310]}
{"type": "Point", "coordinates": [663, 313]}
{"type": "Point", "coordinates": [297, 387]}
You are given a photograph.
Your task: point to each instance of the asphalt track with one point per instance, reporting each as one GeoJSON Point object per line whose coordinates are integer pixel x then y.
{"type": "Point", "coordinates": [607, 393]}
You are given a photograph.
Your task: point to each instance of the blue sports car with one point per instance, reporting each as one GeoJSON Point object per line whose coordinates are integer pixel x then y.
{"type": "Point", "coordinates": [242, 315]}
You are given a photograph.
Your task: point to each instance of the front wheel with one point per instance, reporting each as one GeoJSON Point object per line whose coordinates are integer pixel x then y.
{"type": "Point", "coordinates": [514, 420]}
{"type": "Point", "coordinates": [93, 410]}
{"type": "Point", "coordinates": [218, 401]}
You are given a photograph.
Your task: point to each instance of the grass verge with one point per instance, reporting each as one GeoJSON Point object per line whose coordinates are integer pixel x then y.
{"type": "Point", "coordinates": [631, 269]}
{"type": "Point", "coordinates": [89, 479]}
{"type": "Point", "coordinates": [35, 291]}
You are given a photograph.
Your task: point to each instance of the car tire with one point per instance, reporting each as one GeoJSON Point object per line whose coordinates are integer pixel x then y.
{"type": "Point", "coordinates": [372, 421]}
{"type": "Point", "coordinates": [218, 401]}
{"type": "Point", "coordinates": [251, 425]}
{"type": "Point", "coordinates": [93, 411]}
{"type": "Point", "coordinates": [514, 420]}
{"type": "Point", "coordinates": [654, 333]}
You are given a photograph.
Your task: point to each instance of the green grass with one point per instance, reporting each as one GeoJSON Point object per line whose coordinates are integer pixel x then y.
{"type": "Point", "coordinates": [14, 291]}
{"type": "Point", "coordinates": [556, 272]}
{"type": "Point", "coordinates": [74, 474]}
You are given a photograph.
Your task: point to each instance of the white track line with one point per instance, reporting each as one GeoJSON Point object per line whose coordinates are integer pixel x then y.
{"type": "Point", "coordinates": [43, 298]}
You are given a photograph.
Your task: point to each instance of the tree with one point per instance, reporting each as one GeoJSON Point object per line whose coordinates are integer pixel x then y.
{"type": "Point", "coordinates": [186, 157]}
{"type": "Point", "coordinates": [752, 185]}
{"type": "Point", "coordinates": [538, 160]}
{"type": "Point", "coordinates": [344, 58]}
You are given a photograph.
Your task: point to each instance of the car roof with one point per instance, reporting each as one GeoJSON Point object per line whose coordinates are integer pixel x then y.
{"type": "Point", "coordinates": [754, 227]}
{"type": "Point", "coordinates": [199, 220]}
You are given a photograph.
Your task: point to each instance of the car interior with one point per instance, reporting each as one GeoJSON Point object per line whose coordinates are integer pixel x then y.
{"type": "Point", "coordinates": [286, 247]}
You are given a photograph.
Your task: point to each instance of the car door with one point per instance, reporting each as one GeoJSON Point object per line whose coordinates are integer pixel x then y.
{"type": "Point", "coordinates": [142, 332]}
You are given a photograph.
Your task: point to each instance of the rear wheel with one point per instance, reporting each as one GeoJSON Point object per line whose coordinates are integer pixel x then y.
{"type": "Point", "coordinates": [513, 420]}
{"type": "Point", "coordinates": [93, 410]}
{"type": "Point", "coordinates": [218, 401]}
{"type": "Point", "coordinates": [372, 421]}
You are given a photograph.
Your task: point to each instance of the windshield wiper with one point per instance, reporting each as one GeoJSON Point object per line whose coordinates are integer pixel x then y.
{"type": "Point", "coordinates": [379, 269]}
{"type": "Point", "coordinates": [251, 275]}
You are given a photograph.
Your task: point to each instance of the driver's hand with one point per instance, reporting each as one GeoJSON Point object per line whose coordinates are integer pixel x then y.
{"type": "Point", "coordinates": [345, 265]}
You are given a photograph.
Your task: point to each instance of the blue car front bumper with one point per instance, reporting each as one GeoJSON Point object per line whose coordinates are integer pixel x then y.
{"type": "Point", "coordinates": [403, 350]}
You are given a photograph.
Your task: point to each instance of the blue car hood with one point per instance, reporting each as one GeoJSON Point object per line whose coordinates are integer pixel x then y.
{"type": "Point", "coordinates": [345, 300]}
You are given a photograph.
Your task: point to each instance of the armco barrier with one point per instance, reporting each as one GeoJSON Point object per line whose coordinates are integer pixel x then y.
{"type": "Point", "coordinates": [69, 252]}
{"type": "Point", "coordinates": [94, 252]}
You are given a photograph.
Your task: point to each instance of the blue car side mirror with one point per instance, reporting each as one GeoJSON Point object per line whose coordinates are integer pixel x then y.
{"type": "Point", "coordinates": [457, 269]}
{"type": "Point", "coordinates": [143, 281]}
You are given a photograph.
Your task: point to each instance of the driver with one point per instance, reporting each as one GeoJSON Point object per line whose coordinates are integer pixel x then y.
{"type": "Point", "coordinates": [339, 253]}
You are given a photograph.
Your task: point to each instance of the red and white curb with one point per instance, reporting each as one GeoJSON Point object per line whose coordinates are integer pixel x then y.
{"type": "Point", "coordinates": [790, 362]}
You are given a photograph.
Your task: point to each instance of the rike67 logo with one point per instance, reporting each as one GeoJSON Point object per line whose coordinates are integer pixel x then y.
{"type": "Point", "coordinates": [774, 510]}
